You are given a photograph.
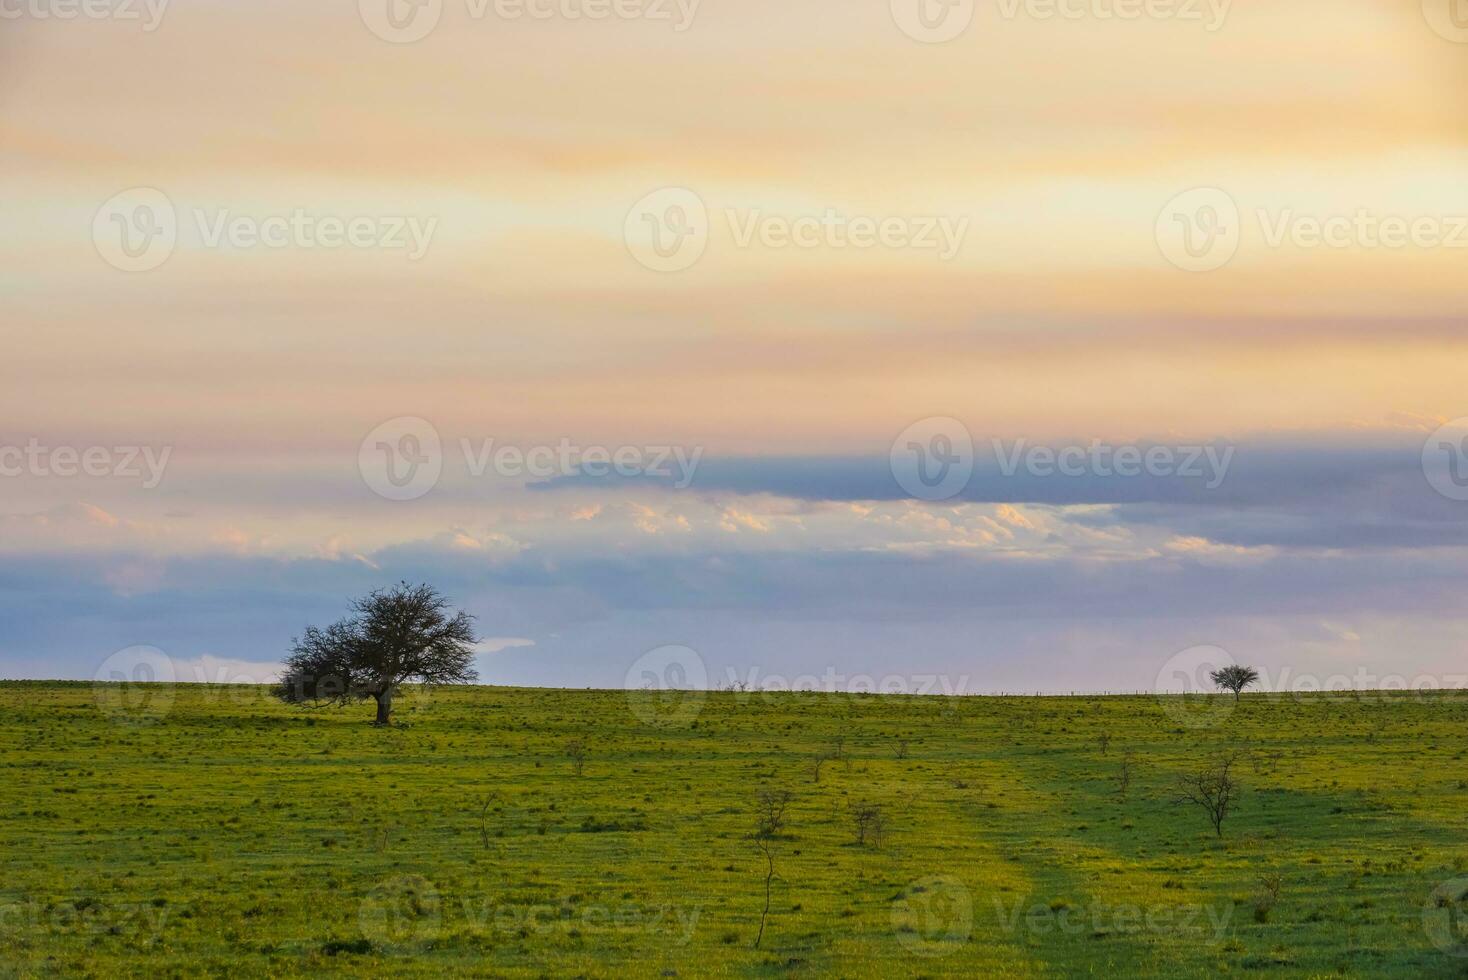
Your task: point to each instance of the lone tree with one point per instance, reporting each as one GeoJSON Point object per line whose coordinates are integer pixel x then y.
{"type": "Point", "coordinates": [1234, 677]}
{"type": "Point", "coordinates": [1213, 788]}
{"type": "Point", "coordinates": [394, 636]}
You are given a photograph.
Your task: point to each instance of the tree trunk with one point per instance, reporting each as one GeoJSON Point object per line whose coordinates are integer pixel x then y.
{"type": "Point", "coordinates": [384, 708]}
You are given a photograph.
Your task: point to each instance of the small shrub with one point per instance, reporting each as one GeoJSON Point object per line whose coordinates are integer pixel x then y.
{"type": "Point", "coordinates": [869, 824]}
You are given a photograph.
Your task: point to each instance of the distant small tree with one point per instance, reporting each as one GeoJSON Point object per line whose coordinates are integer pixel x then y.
{"type": "Point", "coordinates": [821, 758]}
{"type": "Point", "coordinates": [770, 807]}
{"type": "Point", "coordinates": [1124, 777]}
{"type": "Point", "coordinates": [485, 804]}
{"type": "Point", "coordinates": [1234, 677]}
{"type": "Point", "coordinates": [869, 824]}
{"type": "Point", "coordinates": [1269, 888]}
{"type": "Point", "coordinates": [576, 749]}
{"type": "Point", "coordinates": [1213, 788]}
{"type": "Point", "coordinates": [395, 636]}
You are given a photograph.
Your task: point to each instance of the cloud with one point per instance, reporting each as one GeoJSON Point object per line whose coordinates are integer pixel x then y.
{"type": "Point", "coordinates": [1013, 515]}
{"type": "Point", "coordinates": [1258, 471]}
{"type": "Point", "coordinates": [898, 576]}
{"type": "Point", "coordinates": [494, 644]}
{"type": "Point", "coordinates": [734, 520]}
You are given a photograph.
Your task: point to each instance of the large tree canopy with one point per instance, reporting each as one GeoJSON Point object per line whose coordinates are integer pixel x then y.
{"type": "Point", "coordinates": [394, 636]}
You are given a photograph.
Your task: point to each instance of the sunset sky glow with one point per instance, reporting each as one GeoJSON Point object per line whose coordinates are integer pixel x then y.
{"type": "Point", "coordinates": [517, 150]}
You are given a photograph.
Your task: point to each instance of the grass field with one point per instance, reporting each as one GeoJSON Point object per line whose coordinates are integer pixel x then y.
{"type": "Point", "coordinates": [210, 830]}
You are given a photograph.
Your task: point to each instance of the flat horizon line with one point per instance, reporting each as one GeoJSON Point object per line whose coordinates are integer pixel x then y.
{"type": "Point", "coordinates": [753, 692]}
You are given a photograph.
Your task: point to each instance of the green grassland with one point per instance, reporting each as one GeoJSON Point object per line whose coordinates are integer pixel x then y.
{"type": "Point", "coordinates": [211, 830]}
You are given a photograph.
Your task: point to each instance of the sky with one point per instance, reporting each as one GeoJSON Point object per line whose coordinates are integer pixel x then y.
{"type": "Point", "coordinates": [1025, 345]}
